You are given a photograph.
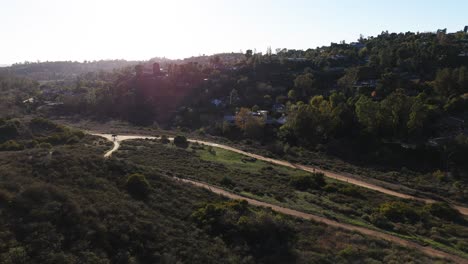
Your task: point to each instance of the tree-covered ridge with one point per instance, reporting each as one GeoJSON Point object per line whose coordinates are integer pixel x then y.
{"type": "Point", "coordinates": [13, 91]}
{"type": "Point", "coordinates": [392, 101]}
{"type": "Point", "coordinates": [63, 70]}
{"type": "Point", "coordinates": [386, 95]}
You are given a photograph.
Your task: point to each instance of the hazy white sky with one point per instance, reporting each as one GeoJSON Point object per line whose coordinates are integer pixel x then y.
{"type": "Point", "coordinates": [141, 29]}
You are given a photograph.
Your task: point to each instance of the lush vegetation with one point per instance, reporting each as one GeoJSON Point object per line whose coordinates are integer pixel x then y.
{"type": "Point", "coordinates": [17, 134]}
{"type": "Point", "coordinates": [13, 91]}
{"type": "Point", "coordinates": [385, 103]}
{"type": "Point", "coordinates": [391, 107]}
{"type": "Point", "coordinates": [436, 224]}
{"type": "Point", "coordinates": [64, 70]}
{"type": "Point", "coordinates": [68, 204]}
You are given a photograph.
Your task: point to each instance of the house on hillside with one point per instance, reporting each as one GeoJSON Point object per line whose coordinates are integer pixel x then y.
{"type": "Point", "coordinates": [372, 83]}
{"type": "Point", "coordinates": [297, 59]}
{"type": "Point", "coordinates": [263, 114]}
{"type": "Point", "coordinates": [339, 57]}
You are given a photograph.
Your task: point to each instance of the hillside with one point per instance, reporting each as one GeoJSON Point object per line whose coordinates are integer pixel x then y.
{"type": "Point", "coordinates": [386, 115]}
{"type": "Point", "coordinates": [65, 203]}
{"type": "Point", "coordinates": [392, 107]}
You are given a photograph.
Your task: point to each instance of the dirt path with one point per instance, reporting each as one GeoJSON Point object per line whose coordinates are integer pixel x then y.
{"type": "Point", "coordinates": [427, 250]}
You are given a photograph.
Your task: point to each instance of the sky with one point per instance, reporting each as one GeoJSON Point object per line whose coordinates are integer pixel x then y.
{"type": "Point", "coordinates": [78, 30]}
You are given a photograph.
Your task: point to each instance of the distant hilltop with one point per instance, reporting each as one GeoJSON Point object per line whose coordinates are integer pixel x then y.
{"type": "Point", "coordinates": [4, 65]}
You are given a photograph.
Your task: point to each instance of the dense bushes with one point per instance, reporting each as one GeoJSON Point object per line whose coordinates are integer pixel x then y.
{"type": "Point", "coordinates": [443, 211]}
{"type": "Point", "coordinates": [46, 203]}
{"type": "Point", "coordinates": [227, 182]}
{"type": "Point", "coordinates": [11, 145]}
{"type": "Point", "coordinates": [398, 212]}
{"type": "Point", "coordinates": [181, 142]}
{"type": "Point", "coordinates": [40, 125]}
{"type": "Point", "coordinates": [46, 131]}
{"type": "Point", "coordinates": [71, 207]}
{"type": "Point", "coordinates": [390, 213]}
{"type": "Point", "coordinates": [81, 215]}
{"type": "Point", "coordinates": [309, 181]}
{"type": "Point", "coordinates": [19, 134]}
{"type": "Point", "coordinates": [8, 129]}
{"type": "Point", "coordinates": [267, 237]}
{"type": "Point", "coordinates": [164, 139]}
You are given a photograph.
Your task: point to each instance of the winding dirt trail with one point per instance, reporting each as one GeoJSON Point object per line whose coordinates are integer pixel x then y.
{"type": "Point", "coordinates": [340, 177]}
{"type": "Point", "coordinates": [427, 250]}
{"type": "Point", "coordinates": [406, 243]}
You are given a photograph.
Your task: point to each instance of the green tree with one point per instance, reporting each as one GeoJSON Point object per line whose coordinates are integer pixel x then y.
{"type": "Point", "coordinates": [248, 54]}
{"type": "Point", "coordinates": [417, 118]}
{"type": "Point", "coordinates": [181, 141]}
{"type": "Point", "coordinates": [395, 111]}
{"type": "Point", "coordinates": [368, 114]}
{"type": "Point", "coordinates": [138, 186]}
{"type": "Point", "coordinates": [292, 95]}
{"type": "Point", "coordinates": [444, 83]}
{"type": "Point", "coordinates": [305, 84]}
{"type": "Point", "coordinates": [251, 126]}
{"type": "Point", "coordinates": [164, 139]}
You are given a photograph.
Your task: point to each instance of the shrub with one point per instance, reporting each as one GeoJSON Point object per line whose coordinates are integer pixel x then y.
{"type": "Point", "coordinates": [349, 253]}
{"type": "Point", "coordinates": [398, 212]}
{"type": "Point", "coordinates": [45, 145]}
{"type": "Point", "coordinates": [39, 125]}
{"type": "Point", "coordinates": [5, 198]}
{"type": "Point", "coordinates": [138, 186]}
{"type": "Point", "coordinates": [443, 211]}
{"type": "Point", "coordinates": [73, 140]}
{"type": "Point", "coordinates": [351, 190]}
{"type": "Point", "coordinates": [181, 142]}
{"type": "Point", "coordinates": [164, 139]}
{"type": "Point", "coordinates": [227, 182]}
{"type": "Point", "coordinates": [16, 255]}
{"type": "Point", "coordinates": [41, 202]}
{"type": "Point", "coordinates": [8, 130]}
{"type": "Point", "coordinates": [32, 144]}
{"type": "Point", "coordinates": [211, 150]}
{"type": "Point", "coordinates": [201, 131]}
{"type": "Point", "coordinates": [267, 237]}
{"type": "Point", "coordinates": [439, 175]}
{"type": "Point", "coordinates": [310, 181]}
{"type": "Point", "coordinates": [11, 145]}
{"type": "Point", "coordinates": [248, 159]}
{"type": "Point", "coordinates": [331, 188]}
